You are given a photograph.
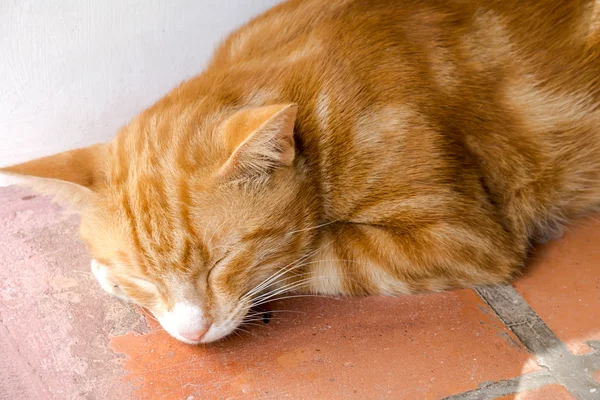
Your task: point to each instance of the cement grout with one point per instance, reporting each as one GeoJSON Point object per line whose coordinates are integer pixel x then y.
{"type": "Point", "coordinates": [571, 371]}
{"type": "Point", "coordinates": [505, 387]}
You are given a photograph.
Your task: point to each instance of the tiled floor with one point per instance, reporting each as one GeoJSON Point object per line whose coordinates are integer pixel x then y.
{"type": "Point", "coordinates": [549, 392]}
{"type": "Point", "coordinates": [563, 286]}
{"type": "Point", "coordinates": [62, 338]}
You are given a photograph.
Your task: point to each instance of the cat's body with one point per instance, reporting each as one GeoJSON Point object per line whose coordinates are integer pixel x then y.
{"type": "Point", "coordinates": [432, 134]}
{"type": "Point", "coordinates": [431, 143]}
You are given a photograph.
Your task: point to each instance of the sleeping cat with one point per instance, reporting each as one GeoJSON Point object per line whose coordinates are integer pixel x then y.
{"type": "Point", "coordinates": [357, 147]}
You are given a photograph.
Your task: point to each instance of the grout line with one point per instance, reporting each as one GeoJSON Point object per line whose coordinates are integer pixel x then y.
{"type": "Point", "coordinates": [519, 317]}
{"type": "Point", "coordinates": [571, 371]}
{"type": "Point", "coordinates": [530, 381]}
{"type": "Point", "coordinates": [594, 356]}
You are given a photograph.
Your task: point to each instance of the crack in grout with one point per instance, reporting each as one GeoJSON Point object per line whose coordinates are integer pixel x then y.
{"type": "Point", "coordinates": [559, 365]}
{"type": "Point", "coordinates": [572, 371]}
{"type": "Point", "coordinates": [493, 390]}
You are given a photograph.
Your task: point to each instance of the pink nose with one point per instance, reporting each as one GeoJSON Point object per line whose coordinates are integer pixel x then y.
{"type": "Point", "coordinates": [194, 335]}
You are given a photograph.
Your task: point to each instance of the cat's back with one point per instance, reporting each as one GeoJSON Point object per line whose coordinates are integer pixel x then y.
{"type": "Point", "coordinates": [428, 96]}
{"type": "Point", "coordinates": [421, 26]}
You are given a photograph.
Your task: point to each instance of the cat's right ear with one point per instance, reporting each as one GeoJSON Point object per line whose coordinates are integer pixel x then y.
{"type": "Point", "coordinates": [71, 177]}
{"type": "Point", "coordinates": [259, 140]}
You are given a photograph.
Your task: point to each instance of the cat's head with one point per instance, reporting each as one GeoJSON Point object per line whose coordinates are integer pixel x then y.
{"type": "Point", "coordinates": [191, 220]}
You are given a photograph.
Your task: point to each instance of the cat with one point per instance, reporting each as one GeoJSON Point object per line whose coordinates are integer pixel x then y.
{"type": "Point", "coordinates": [355, 147]}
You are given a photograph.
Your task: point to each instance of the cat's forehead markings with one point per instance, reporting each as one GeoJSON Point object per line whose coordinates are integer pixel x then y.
{"type": "Point", "coordinates": [179, 284]}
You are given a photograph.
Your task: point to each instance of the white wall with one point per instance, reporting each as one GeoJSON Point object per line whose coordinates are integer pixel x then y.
{"type": "Point", "coordinates": [72, 72]}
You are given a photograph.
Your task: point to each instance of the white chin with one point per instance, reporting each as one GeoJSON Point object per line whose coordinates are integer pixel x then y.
{"type": "Point", "coordinates": [186, 317]}
{"type": "Point", "coordinates": [217, 332]}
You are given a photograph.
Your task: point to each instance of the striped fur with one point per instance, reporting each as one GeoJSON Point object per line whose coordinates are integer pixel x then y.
{"type": "Point", "coordinates": [348, 147]}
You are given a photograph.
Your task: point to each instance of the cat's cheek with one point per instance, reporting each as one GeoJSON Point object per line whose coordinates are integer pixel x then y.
{"type": "Point", "coordinates": [101, 274]}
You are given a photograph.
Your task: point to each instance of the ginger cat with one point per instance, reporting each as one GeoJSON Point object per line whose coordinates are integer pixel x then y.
{"type": "Point", "coordinates": [357, 147]}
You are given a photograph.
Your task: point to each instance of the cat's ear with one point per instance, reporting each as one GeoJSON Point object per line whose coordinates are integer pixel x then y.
{"type": "Point", "coordinates": [70, 177]}
{"type": "Point", "coordinates": [259, 139]}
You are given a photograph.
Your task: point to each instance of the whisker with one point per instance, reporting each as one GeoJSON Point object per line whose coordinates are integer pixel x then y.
{"type": "Point", "coordinates": [287, 311]}
{"type": "Point", "coordinates": [244, 330]}
{"type": "Point", "coordinates": [293, 265]}
{"type": "Point", "coordinates": [284, 288]}
{"type": "Point", "coordinates": [251, 320]}
{"type": "Point", "coordinates": [268, 281]}
{"type": "Point", "coordinates": [274, 295]}
{"type": "Point", "coordinates": [83, 272]}
{"type": "Point", "coordinates": [283, 270]}
{"type": "Point", "coordinates": [298, 266]}
{"type": "Point", "coordinates": [206, 228]}
{"type": "Point", "coordinates": [148, 314]}
{"type": "Point", "coordinates": [278, 273]}
{"type": "Point", "coordinates": [252, 323]}
{"type": "Point", "coordinates": [288, 268]}
{"type": "Point", "coordinates": [291, 297]}
{"type": "Point", "coordinates": [277, 311]}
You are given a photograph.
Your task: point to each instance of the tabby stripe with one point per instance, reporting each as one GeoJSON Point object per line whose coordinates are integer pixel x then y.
{"type": "Point", "coordinates": [132, 220]}
{"type": "Point", "coordinates": [355, 282]}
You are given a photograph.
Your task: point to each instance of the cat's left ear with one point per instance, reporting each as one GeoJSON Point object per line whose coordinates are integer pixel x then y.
{"type": "Point", "coordinates": [259, 140]}
{"type": "Point", "coordinates": [71, 177]}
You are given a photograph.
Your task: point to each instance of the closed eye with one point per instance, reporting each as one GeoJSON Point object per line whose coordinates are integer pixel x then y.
{"type": "Point", "coordinates": [216, 264]}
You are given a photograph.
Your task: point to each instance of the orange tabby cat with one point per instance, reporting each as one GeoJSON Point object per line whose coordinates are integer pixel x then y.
{"type": "Point", "coordinates": [351, 147]}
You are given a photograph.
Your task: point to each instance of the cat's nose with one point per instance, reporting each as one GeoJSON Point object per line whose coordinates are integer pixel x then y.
{"type": "Point", "coordinates": [194, 335]}
{"type": "Point", "coordinates": [186, 322]}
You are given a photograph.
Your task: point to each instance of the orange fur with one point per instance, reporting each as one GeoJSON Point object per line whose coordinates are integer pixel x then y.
{"type": "Point", "coordinates": [431, 143]}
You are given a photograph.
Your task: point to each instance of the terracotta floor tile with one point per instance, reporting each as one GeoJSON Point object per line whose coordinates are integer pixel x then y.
{"type": "Point", "coordinates": [419, 347]}
{"type": "Point", "coordinates": [562, 284]}
{"type": "Point", "coordinates": [550, 392]}
{"type": "Point", "coordinates": [57, 325]}
{"type": "Point", "coordinates": [54, 321]}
